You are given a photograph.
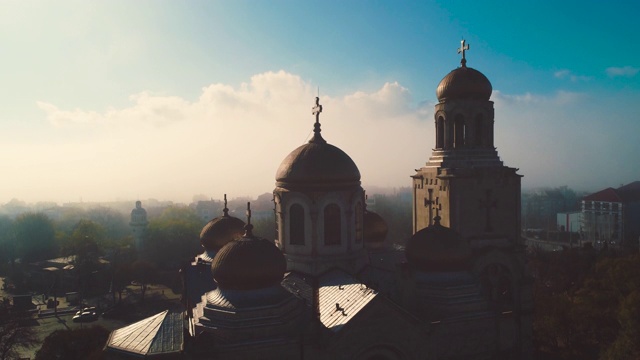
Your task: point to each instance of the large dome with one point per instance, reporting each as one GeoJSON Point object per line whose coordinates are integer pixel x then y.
{"type": "Point", "coordinates": [317, 164]}
{"type": "Point", "coordinates": [464, 83]}
{"type": "Point", "coordinates": [248, 263]}
{"type": "Point", "coordinates": [438, 249]}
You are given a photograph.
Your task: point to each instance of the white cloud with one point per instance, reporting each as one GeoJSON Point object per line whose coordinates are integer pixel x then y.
{"type": "Point", "coordinates": [231, 139]}
{"type": "Point", "coordinates": [625, 71]}
{"type": "Point", "coordinates": [561, 97]}
{"type": "Point", "coordinates": [568, 74]}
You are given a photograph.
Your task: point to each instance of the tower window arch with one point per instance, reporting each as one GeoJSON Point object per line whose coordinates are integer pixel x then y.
{"type": "Point", "coordinates": [458, 132]}
{"type": "Point", "coordinates": [296, 225]}
{"type": "Point", "coordinates": [479, 130]}
{"type": "Point", "coordinates": [332, 225]}
{"type": "Point", "coordinates": [440, 132]}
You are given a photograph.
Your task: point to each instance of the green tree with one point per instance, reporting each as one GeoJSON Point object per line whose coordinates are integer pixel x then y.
{"type": "Point", "coordinates": [74, 344]}
{"type": "Point", "coordinates": [144, 273]}
{"type": "Point", "coordinates": [83, 244]}
{"type": "Point", "coordinates": [626, 345]}
{"type": "Point", "coordinates": [173, 237]}
{"type": "Point", "coordinates": [35, 237]}
{"type": "Point", "coordinates": [7, 241]}
{"type": "Point", "coordinates": [587, 309]}
{"type": "Point", "coordinates": [115, 225]}
{"type": "Point", "coordinates": [122, 276]}
{"type": "Point", "coordinates": [14, 333]}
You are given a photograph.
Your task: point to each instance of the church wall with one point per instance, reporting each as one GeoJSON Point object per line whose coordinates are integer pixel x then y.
{"type": "Point", "coordinates": [315, 256]}
{"type": "Point", "coordinates": [380, 329]}
{"type": "Point", "coordinates": [465, 197]}
{"type": "Point", "coordinates": [286, 245]}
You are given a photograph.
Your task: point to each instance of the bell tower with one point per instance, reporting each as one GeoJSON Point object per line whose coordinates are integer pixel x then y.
{"type": "Point", "coordinates": [464, 181]}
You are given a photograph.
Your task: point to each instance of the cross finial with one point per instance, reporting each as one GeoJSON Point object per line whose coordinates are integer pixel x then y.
{"type": "Point", "coordinates": [316, 110]}
{"type": "Point", "coordinates": [247, 228]}
{"type": "Point", "coordinates": [462, 50]}
{"type": "Point", "coordinates": [225, 210]}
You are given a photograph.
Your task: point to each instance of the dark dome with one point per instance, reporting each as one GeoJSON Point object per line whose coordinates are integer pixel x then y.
{"type": "Point", "coordinates": [220, 231]}
{"type": "Point", "coordinates": [464, 83]}
{"type": "Point", "coordinates": [438, 249]}
{"type": "Point", "coordinates": [248, 263]}
{"type": "Point", "coordinates": [317, 164]}
{"type": "Point", "coordinates": [375, 230]}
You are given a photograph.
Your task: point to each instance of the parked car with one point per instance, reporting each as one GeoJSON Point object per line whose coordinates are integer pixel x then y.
{"type": "Point", "coordinates": [85, 316]}
{"type": "Point", "coordinates": [86, 309]}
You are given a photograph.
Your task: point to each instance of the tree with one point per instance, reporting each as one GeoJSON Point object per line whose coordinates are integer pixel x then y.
{"type": "Point", "coordinates": [14, 333]}
{"type": "Point", "coordinates": [74, 344]}
{"type": "Point", "coordinates": [35, 237]}
{"type": "Point", "coordinates": [122, 276]}
{"type": "Point", "coordinates": [587, 309]}
{"type": "Point", "coordinates": [115, 225]}
{"type": "Point", "coordinates": [173, 237]}
{"type": "Point", "coordinates": [83, 244]}
{"type": "Point", "coordinates": [144, 272]}
{"type": "Point", "coordinates": [7, 241]}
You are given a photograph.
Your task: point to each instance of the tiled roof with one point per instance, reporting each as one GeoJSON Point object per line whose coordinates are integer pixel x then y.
{"type": "Point", "coordinates": [341, 297]}
{"type": "Point", "coordinates": [626, 193]}
{"type": "Point", "coordinates": [606, 195]}
{"type": "Point", "coordinates": [159, 334]}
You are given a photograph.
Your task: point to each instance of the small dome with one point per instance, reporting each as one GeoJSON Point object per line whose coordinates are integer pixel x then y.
{"type": "Point", "coordinates": [221, 230]}
{"type": "Point", "coordinates": [464, 83]}
{"type": "Point", "coordinates": [248, 263]}
{"type": "Point", "coordinates": [317, 164]}
{"type": "Point", "coordinates": [438, 249]}
{"type": "Point", "coordinates": [375, 230]}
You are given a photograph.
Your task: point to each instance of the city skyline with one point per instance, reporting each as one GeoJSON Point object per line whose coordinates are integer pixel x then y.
{"type": "Point", "coordinates": [107, 101]}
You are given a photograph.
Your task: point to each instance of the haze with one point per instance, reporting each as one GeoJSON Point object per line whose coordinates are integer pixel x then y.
{"type": "Point", "coordinates": [116, 100]}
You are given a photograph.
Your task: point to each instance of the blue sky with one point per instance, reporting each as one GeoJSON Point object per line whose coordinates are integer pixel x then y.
{"type": "Point", "coordinates": [111, 100]}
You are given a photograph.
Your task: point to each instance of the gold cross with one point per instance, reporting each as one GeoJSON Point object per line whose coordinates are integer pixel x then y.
{"type": "Point", "coordinates": [462, 50]}
{"type": "Point", "coordinates": [316, 110]}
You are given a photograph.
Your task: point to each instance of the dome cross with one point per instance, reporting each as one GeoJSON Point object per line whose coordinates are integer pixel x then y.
{"type": "Point", "coordinates": [463, 48]}
{"type": "Point", "coordinates": [225, 211]}
{"type": "Point", "coordinates": [316, 110]}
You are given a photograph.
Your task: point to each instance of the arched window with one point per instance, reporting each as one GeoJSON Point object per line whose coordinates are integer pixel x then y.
{"type": "Point", "coordinates": [440, 133]}
{"type": "Point", "coordinates": [458, 140]}
{"type": "Point", "coordinates": [479, 131]}
{"type": "Point", "coordinates": [359, 214]}
{"type": "Point", "coordinates": [448, 133]}
{"type": "Point", "coordinates": [296, 225]}
{"type": "Point", "coordinates": [332, 225]}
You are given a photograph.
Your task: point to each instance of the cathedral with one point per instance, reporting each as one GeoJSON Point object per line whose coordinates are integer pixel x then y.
{"type": "Point", "coordinates": [320, 290]}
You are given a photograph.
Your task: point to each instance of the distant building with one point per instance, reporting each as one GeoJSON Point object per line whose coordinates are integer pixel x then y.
{"type": "Point", "coordinates": [569, 221]}
{"type": "Point", "coordinates": [612, 216]}
{"type": "Point", "coordinates": [330, 287]}
{"type": "Point", "coordinates": [138, 225]}
{"type": "Point", "coordinates": [207, 209]}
